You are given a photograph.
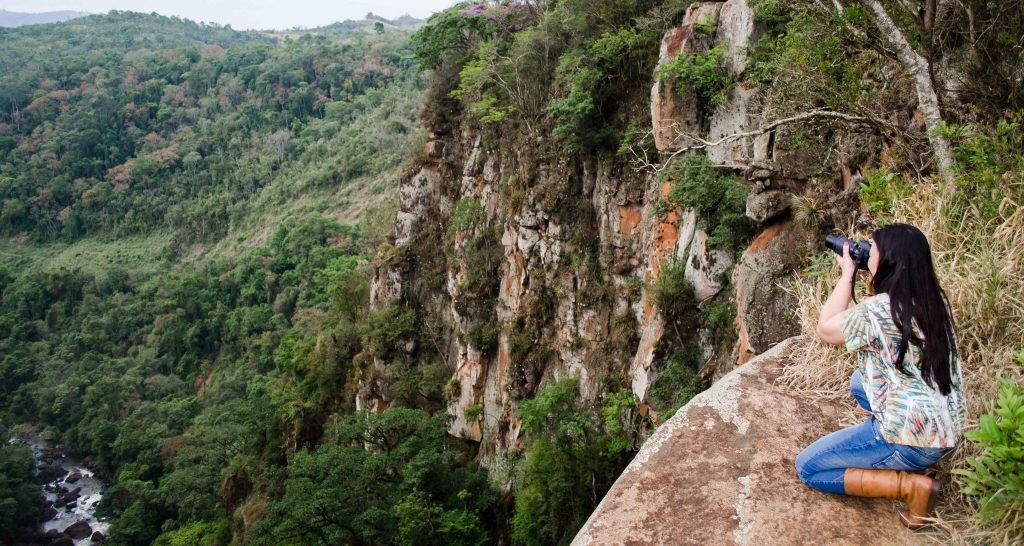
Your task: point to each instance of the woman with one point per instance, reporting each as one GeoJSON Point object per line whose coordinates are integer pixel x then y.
{"type": "Point", "coordinates": [908, 378]}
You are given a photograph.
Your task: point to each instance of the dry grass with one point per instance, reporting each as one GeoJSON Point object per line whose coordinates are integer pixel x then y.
{"type": "Point", "coordinates": [980, 263]}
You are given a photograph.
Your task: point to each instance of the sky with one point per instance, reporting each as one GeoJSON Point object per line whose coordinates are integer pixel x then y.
{"type": "Point", "coordinates": [245, 14]}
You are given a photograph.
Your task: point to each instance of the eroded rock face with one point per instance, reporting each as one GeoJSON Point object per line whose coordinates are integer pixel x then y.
{"type": "Point", "coordinates": [550, 214]}
{"type": "Point", "coordinates": [672, 114]}
{"type": "Point", "coordinates": [721, 471]}
{"type": "Point", "coordinates": [765, 312]}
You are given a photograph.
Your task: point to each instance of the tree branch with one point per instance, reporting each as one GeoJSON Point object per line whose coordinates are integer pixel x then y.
{"type": "Point", "coordinates": [703, 144]}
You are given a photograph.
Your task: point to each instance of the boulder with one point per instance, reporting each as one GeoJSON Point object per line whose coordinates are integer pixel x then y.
{"type": "Point", "coordinates": [721, 471]}
{"type": "Point", "coordinates": [98, 537]}
{"type": "Point", "coordinates": [49, 513]}
{"type": "Point", "coordinates": [62, 540]}
{"type": "Point", "coordinates": [765, 313]}
{"type": "Point", "coordinates": [51, 472]}
{"type": "Point", "coordinates": [767, 205]}
{"type": "Point", "coordinates": [78, 529]}
{"type": "Point", "coordinates": [73, 477]}
{"type": "Point", "coordinates": [705, 266]}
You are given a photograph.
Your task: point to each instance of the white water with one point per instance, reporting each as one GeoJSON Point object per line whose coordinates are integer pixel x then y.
{"type": "Point", "coordinates": [92, 489]}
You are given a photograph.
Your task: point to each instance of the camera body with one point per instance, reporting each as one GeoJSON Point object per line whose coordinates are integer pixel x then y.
{"type": "Point", "coordinates": [859, 251]}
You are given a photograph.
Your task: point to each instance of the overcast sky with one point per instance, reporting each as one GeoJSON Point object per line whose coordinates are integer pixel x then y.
{"type": "Point", "coordinates": [245, 14]}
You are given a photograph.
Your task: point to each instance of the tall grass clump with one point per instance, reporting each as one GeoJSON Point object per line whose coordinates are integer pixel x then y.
{"type": "Point", "coordinates": [977, 241]}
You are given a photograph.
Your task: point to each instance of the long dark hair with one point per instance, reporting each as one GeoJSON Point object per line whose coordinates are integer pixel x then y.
{"type": "Point", "coordinates": [905, 272]}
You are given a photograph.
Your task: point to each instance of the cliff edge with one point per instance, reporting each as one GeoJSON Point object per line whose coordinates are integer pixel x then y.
{"type": "Point", "coordinates": [720, 471]}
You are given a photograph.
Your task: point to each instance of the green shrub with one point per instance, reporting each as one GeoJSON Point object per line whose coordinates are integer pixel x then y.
{"type": "Point", "coordinates": [447, 36]}
{"type": "Point", "coordinates": [673, 294]}
{"type": "Point", "coordinates": [719, 316]}
{"type": "Point", "coordinates": [702, 73]}
{"type": "Point", "coordinates": [720, 201]}
{"type": "Point", "coordinates": [879, 189]}
{"type": "Point", "coordinates": [676, 383]}
{"type": "Point", "coordinates": [996, 477]}
{"type": "Point", "coordinates": [571, 460]}
{"type": "Point", "coordinates": [19, 489]}
{"type": "Point", "coordinates": [592, 80]}
{"type": "Point", "coordinates": [485, 100]}
{"type": "Point", "coordinates": [468, 214]}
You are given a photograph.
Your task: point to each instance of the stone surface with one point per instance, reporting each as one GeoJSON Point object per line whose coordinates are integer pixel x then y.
{"type": "Point", "coordinates": [720, 471]}
{"type": "Point", "coordinates": [736, 115]}
{"type": "Point", "coordinates": [764, 311]}
{"type": "Point", "coordinates": [705, 266]}
{"type": "Point", "coordinates": [767, 205]}
{"type": "Point", "coordinates": [737, 32]}
{"type": "Point", "coordinates": [79, 529]}
{"type": "Point", "coordinates": [672, 113]}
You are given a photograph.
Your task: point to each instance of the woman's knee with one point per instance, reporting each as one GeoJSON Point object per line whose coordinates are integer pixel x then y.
{"type": "Point", "coordinates": [803, 470]}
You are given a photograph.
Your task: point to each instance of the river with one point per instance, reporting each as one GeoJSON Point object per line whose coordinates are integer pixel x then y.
{"type": "Point", "coordinates": [74, 492]}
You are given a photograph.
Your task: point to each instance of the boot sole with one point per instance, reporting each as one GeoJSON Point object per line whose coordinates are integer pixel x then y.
{"type": "Point", "coordinates": [913, 526]}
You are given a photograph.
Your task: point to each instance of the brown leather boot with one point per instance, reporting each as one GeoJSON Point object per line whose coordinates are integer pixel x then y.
{"type": "Point", "coordinates": [917, 491]}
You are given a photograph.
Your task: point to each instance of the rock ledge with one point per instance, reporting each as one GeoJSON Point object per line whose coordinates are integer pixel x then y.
{"type": "Point", "coordinates": [721, 471]}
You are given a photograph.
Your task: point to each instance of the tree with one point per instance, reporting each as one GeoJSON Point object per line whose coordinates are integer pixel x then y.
{"type": "Point", "coordinates": [918, 67]}
{"type": "Point", "coordinates": [19, 489]}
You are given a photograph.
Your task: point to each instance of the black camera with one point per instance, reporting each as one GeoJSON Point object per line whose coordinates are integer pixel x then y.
{"type": "Point", "coordinates": [859, 251]}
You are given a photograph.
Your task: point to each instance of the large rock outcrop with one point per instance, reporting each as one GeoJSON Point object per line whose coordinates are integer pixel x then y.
{"type": "Point", "coordinates": [721, 471]}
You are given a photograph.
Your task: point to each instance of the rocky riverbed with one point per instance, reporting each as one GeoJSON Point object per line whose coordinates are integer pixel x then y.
{"type": "Point", "coordinates": [71, 492]}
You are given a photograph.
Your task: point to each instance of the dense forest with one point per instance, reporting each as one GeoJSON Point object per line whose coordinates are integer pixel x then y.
{"type": "Point", "coordinates": [205, 361]}
{"type": "Point", "coordinates": [192, 217]}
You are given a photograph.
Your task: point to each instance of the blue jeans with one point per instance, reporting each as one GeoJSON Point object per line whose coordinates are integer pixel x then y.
{"type": "Point", "coordinates": [824, 462]}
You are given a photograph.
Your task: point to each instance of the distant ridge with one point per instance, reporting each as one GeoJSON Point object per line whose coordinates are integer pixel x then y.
{"type": "Point", "coordinates": [350, 27]}
{"type": "Point", "coordinates": [11, 19]}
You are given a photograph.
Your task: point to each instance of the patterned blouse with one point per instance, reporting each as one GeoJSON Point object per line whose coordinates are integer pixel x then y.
{"type": "Point", "coordinates": [908, 411]}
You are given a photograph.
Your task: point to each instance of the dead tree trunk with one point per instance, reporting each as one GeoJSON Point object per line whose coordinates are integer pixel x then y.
{"type": "Point", "coordinates": [927, 100]}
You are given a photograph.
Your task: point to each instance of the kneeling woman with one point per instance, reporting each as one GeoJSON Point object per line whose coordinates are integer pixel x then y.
{"type": "Point", "coordinates": [908, 378]}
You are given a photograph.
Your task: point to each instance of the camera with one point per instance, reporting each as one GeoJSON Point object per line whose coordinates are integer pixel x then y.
{"type": "Point", "coordinates": [859, 251]}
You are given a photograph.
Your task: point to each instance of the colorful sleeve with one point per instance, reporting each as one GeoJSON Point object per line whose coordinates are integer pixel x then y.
{"type": "Point", "coordinates": [857, 331]}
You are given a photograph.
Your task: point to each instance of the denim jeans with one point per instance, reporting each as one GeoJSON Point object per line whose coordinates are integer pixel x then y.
{"type": "Point", "coordinates": [824, 462]}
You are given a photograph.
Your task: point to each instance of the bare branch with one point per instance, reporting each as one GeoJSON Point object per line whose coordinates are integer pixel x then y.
{"type": "Point", "coordinates": [804, 116]}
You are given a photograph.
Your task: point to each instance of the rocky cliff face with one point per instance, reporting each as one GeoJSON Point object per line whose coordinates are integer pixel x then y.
{"type": "Point", "coordinates": [577, 243]}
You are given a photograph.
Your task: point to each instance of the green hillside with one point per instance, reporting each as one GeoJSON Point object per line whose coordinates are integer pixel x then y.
{"type": "Point", "coordinates": [127, 123]}
{"type": "Point", "coordinates": [187, 205]}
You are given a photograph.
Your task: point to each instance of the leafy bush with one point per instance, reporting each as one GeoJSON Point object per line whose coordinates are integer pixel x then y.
{"type": "Point", "coordinates": [478, 80]}
{"type": "Point", "coordinates": [996, 476]}
{"type": "Point", "coordinates": [588, 94]}
{"type": "Point", "coordinates": [571, 460]}
{"type": "Point", "coordinates": [19, 489]}
{"type": "Point", "coordinates": [673, 294]}
{"type": "Point", "coordinates": [676, 383]}
{"type": "Point", "coordinates": [467, 215]}
{"type": "Point", "coordinates": [447, 36]}
{"type": "Point", "coordinates": [703, 73]}
{"type": "Point", "coordinates": [380, 478]}
{"type": "Point", "coordinates": [880, 189]}
{"type": "Point", "coordinates": [720, 201]}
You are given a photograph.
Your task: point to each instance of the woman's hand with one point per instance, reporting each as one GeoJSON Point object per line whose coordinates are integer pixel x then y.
{"type": "Point", "coordinates": [846, 263]}
{"type": "Point", "coordinates": [830, 321]}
